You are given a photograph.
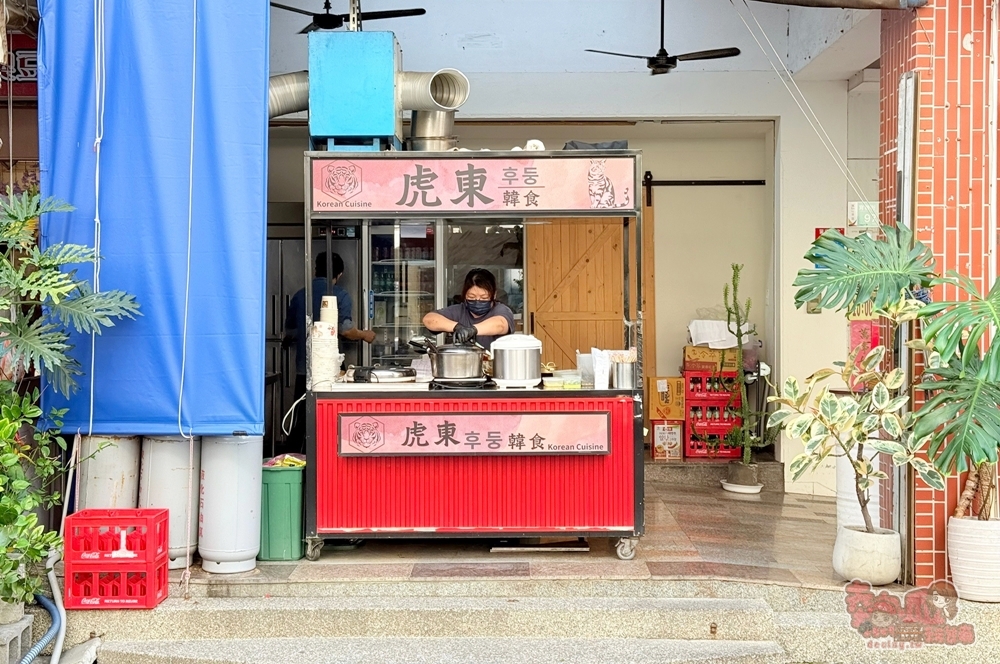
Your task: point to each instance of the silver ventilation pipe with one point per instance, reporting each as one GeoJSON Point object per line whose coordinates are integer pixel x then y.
{"type": "Point", "coordinates": [853, 4]}
{"type": "Point", "coordinates": [442, 90]}
{"type": "Point", "coordinates": [432, 131]}
{"type": "Point", "coordinates": [288, 93]}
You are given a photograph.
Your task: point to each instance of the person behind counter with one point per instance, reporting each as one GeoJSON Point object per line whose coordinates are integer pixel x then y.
{"type": "Point", "coordinates": [479, 318]}
{"type": "Point", "coordinates": [295, 332]}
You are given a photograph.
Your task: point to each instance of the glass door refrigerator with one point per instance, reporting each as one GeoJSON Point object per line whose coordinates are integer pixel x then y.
{"type": "Point", "coordinates": [402, 287]}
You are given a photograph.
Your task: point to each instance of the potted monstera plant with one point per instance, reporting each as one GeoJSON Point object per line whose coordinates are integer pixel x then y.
{"type": "Point", "coordinates": [41, 300]}
{"type": "Point", "coordinates": [959, 424]}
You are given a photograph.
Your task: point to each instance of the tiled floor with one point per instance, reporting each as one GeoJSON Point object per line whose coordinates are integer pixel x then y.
{"type": "Point", "coordinates": [691, 533]}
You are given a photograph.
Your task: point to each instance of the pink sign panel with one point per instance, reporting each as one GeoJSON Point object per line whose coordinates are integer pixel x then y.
{"type": "Point", "coordinates": [474, 184]}
{"type": "Point", "coordinates": [432, 434]}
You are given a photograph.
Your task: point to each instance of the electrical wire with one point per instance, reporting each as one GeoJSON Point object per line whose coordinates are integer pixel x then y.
{"type": "Point", "coordinates": [186, 576]}
{"type": "Point", "coordinates": [801, 101]}
{"type": "Point", "coordinates": [100, 89]}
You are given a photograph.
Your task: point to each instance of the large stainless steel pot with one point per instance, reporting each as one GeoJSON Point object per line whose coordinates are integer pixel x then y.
{"type": "Point", "coordinates": [453, 362]}
{"type": "Point", "coordinates": [517, 360]}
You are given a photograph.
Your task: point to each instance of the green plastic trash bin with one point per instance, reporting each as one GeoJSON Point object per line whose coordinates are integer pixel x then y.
{"type": "Point", "coordinates": [281, 514]}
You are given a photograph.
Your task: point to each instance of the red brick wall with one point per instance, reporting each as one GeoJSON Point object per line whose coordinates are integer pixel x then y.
{"type": "Point", "coordinates": [948, 44]}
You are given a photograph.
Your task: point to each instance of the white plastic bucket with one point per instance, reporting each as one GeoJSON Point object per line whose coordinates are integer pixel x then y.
{"type": "Point", "coordinates": [229, 524]}
{"type": "Point", "coordinates": [163, 482]}
{"type": "Point", "coordinates": [109, 478]}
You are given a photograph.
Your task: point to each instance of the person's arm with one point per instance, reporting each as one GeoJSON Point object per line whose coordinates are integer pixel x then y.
{"type": "Point", "coordinates": [345, 307]}
{"type": "Point", "coordinates": [354, 334]}
{"type": "Point", "coordinates": [493, 326]}
{"type": "Point", "coordinates": [435, 322]}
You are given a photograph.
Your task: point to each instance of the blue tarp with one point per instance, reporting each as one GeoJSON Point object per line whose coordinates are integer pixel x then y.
{"type": "Point", "coordinates": [144, 205]}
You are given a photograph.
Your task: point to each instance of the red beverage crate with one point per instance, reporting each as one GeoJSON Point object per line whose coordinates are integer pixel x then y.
{"type": "Point", "coordinates": [116, 585]}
{"type": "Point", "coordinates": [709, 385]}
{"type": "Point", "coordinates": [134, 536]}
{"type": "Point", "coordinates": [707, 397]}
{"type": "Point", "coordinates": [116, 559]}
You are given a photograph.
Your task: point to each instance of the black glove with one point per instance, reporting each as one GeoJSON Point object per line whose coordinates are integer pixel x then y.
{"type": "Point", "coordinates": [464, 335]}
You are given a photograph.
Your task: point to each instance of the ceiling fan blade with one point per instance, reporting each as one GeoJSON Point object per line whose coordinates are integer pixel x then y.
{"type": "Point", "coordinates": [622, 55]}
{"type": "Point", "coordinates": [392, 13]}
{"type": "Point", "coordinates": [312, 27]}
{"type": "Point", "coordinates": [291, 9]}
{"type": "Point", "coordinates": [713, 54]}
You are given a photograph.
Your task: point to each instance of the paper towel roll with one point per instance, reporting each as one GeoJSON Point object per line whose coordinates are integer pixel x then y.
{"type": "Point", "coordinates": [328, 310]}
{"type": "Point", "coordinates": [324, 356]}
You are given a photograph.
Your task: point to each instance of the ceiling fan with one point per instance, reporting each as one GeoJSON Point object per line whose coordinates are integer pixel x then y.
{"type": "Point", "coordinates": [663, 62]}
{"type": "Point", "coordinates": [328, 21]}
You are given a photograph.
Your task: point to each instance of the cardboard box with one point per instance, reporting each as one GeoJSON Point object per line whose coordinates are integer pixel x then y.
{"type": "Point", "coordinates": [668, 440]}
{"type": "Point", "coordinates": [703, 358]}
{"type": "Point", "coordinates": [666, 398]}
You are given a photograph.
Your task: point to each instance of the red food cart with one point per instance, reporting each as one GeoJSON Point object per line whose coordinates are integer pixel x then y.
{"type": "Point", "coordinates": [424, 460]}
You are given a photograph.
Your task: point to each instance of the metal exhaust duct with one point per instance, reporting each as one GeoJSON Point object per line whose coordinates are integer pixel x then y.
{"type": "Point", "coordinates": [443, 90]}
{"type": "Point", "coordinates": [432, 131]}
{"type": "Point", "coordinates": [288, 93]}
{"type": "Point", "coordinates": [853, 4]}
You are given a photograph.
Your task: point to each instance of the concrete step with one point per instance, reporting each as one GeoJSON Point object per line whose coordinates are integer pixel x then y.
{"type": "Point", "coordinates": [15, 640]}
{"type": "Point", "coordinates": [443, 650]}
{"type": "Point", "coordinates": [452, 617]}
{"type": "Point", "coordinates": [351, 580]}
{"type": "Point", "coordinates": [706, 474]}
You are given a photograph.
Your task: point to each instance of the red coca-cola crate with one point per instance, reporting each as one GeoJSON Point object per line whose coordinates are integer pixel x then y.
{"type": "Point", "coordinates": [116, 559]}
{"type": "Point", "coordinates": [116, 585]}
{"type": "Point", "coordinates": [709, 398]}
{"type": "Point", "coordinates": [135, 536]}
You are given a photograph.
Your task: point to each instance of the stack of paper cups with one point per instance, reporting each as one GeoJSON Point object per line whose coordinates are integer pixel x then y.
{"type": "Point", "coordinates": [328, 310]}
{"type": "Point", "coordinates": [324, 355]}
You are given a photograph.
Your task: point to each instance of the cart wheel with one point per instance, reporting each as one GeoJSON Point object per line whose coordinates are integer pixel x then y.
{"type": "Point", "coordinates": [314, 545]}
{"type": "Point", "coordinates": [626, 548]}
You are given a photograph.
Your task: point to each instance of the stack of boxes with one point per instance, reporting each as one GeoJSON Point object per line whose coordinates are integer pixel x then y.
{"type": "Point", "coordinates": [690, 415]}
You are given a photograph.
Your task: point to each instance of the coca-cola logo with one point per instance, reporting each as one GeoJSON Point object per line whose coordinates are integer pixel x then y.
{"type": "Point", "coordinates": [88, 555]}
{"type": "Point", "coordinates": [90, 600]}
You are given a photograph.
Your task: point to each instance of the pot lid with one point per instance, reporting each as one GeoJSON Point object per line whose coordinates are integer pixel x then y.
{"type": "Point", "coordinates": [452, 349]}
{"type": "Point", "coordinates": [518, 341]}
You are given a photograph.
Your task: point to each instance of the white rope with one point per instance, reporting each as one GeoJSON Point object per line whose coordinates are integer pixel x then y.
{"type": "Point", "coordinates": [186, 576]}
{"type": "Point", "coordinates": [100, 88]}
{"type": "Point", "coordinates": [801, 101]}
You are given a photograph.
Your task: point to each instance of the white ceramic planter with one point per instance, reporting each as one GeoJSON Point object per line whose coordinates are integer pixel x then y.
{"type": "Point", "coordinates": [974, 555]}
{"type": "Point", "coordinates": [872, 557]}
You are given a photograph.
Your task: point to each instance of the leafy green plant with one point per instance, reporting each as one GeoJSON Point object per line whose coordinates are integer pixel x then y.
{"type": "Point", "coordinates": [29, 461]}
{"type": "Point", "coordinates": [961, 417]}
{"type": "Point", "coordinates": [829, 424]}
{"type": "Point", "coordinates": [737, 320]}
{"type": "Point", "coordinates": [41, 299]}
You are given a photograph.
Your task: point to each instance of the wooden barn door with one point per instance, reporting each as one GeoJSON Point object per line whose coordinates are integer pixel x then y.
{"type": "Point", "coordinates": [575, 282]}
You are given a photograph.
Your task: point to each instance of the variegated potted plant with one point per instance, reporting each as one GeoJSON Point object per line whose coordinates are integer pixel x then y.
{"type": "Point", "coordinates": [959, 424]}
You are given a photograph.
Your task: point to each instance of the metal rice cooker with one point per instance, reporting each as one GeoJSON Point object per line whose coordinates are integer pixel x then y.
{"type": "Point", "coordinates": [517, 360]}
{"type": "Point", "coordinates": [452, 362]}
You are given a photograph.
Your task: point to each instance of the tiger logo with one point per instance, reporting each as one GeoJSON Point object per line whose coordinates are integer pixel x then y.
{"type": "Point", "coordinates": [366, 435]}
{"type": "Point", "coordinates": [341, 180]}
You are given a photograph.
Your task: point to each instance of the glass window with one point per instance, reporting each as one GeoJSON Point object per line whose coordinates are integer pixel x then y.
{"type": "Point", "coordinates": [497, 247]}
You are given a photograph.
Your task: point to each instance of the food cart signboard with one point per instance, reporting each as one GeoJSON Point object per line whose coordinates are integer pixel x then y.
{"type": "Point", "coordinates": [498, 183]}
{"type": "Point", "coordinates": [465, 434]}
